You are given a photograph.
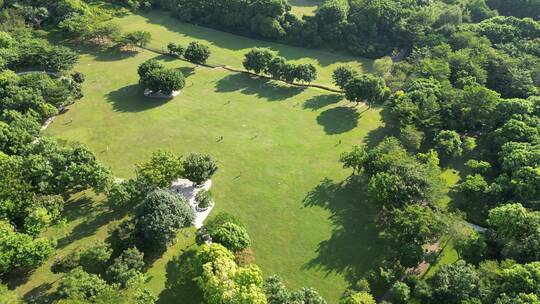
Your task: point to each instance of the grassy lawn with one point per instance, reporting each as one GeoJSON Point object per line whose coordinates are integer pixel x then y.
{"type": "Point", "coordinates": [229, 49]}
{"type": "Point", "coordinates": [279, 170]}
{"type": "Point", "coordinates": [304, 7]}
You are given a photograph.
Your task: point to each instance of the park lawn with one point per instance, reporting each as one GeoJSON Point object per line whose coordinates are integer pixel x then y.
{"type": "Point", "coordinates": [304, 7]}
{"type": "Point", "coordinates": [280, 143]}
{"type": "Point", "coordinates": [229, 49]}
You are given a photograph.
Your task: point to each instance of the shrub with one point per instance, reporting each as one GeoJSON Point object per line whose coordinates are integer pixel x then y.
{"type": "Point", "coordinates": [203, 199]}
{"type": "Point", "coordinates": [127, 266]}
{"type": "Point", "coordinates": [197, 53]}
{"type": "Point", "coordinates": [78, 284]}
{"type": "Point", "coordinates": [232, 236]}
{"type": "Point", "coordinates": [164, 80]}
{"type": "Point", "coordinates": [198, 168]}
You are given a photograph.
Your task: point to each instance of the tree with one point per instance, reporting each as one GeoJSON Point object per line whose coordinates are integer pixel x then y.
{"type": "Point", "coordinates": [8, 296]}
{"type": "Point", "coordinates": [197, 53]}
{"type": "Point", "coordinates": [223, 281]}
{"type": "Point", "coordinates": [368, 88]}
{"type": "Point", "coordinates": [361, 297]}
{"type": "Point", "coordinates": [455, 283]}
{"type": "Point", "coordinates": [276, 67]}
{"type": "Point", "coordinates": [21, 250]}
{"type": "Point", "coordinates": [232, 236]}
{"type": "Point", "coordinates": [127, 266]}
{"type": "Point", "coordinates": [159, 217]}
{"type": "Point", "coordinates": [306, 72]}
{"type": "Point", "coordinates": [198, 168]}
{"type": "Point", "coordinates": [78, 284]}
{"type": "Point", "coordinates": [160, 170]}
{"type": "Point", "coordinates": [411, 137]}
{"type": "Point", "coordinates": [164, 80]}
{"type": "Point", "coordinates": [135, 38]}
{"type": "Point", "coordinates": [307, 295]}
{"type": "Point", "coordinates": [276, 292]}
{"type": "Point", "coordinates": [94, 258]}
{"type": "Point", "coordinates": [176, 49]}
{"type": "Point", "coordinates": [257, 60]}
{"type": "Point", "coordinates": [401, 293]}
{"type": "Point", "coordinates": [448, 143]}
{"type": "Point", "coordinates": [146, 67]}
{"type": "Point", "coordinates": [342, 75]}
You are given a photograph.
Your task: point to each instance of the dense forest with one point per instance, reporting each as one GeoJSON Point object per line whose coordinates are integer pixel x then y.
{"type": "Point", "coordinates": [458, 82]}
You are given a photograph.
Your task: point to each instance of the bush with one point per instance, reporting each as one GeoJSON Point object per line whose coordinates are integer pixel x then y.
{"type": "Point", "coordinates": [232, 236]}
{"type": "Point", "coordinates": [198, 168]}
{"type": "Point", "coordinates": [164, 80]}
{"type": "Point", "coordinates": [197, 53]}
{"type": "Point", "coordinates": [146, 67]}
{"type": "Point", "coordinates": [78, 284]}
{"type": "Point", "coordinates": [94, 258]}
{"type": "Point", "coordinates": [203, 199]}
{"type": "Point", "coordinates": [175, 49]}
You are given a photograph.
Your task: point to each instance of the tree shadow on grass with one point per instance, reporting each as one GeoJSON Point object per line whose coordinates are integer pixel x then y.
{"type": "Point", "coordinates": [321, 101]}
{"type": "Point", "coordinates": [40, 294]}
{"type": "Point", "coordinates": [262, 88]}
{"type": "Point", "coordinates": [131, 99]}
{"type": "Point", "coordinates": [338, 120]}
{"type": "Point", "coordinates": [354, 248]}
{"type": "Point", "coordinates": [187, 71]}
{"type": "Point", "coordinates": [180, 284]}
{"type": "Point", "coordinates": [94, 216]}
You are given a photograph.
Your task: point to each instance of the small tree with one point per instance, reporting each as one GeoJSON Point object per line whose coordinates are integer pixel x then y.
{"type": "Point", "coordinates": [306, 72]}
{"type": "Point", "coordinates": [175, 49]}
{"type": "Point", "coordinates": [401, 293]}
{"type": "Point", "coordinates": [257, 60]}
{"type": "Point", "coordinates": [199, 167]}
{"type": "Point", "coordinates": [448, 143]}
{"type": "Point", "coordinates": [368, 88]}
{"type": "Point", "coordinates": [81, 285]}
{"type": "Point", "coordinates": [289, 72]}
{"type": "Point", "coordinates": [411, 137]}
{"type": "Point", "coordinates": [342, 75]}
{"type": "Point", "coordinates": [276, 66]}
{"type": "Point", "coordinates": [164, 80]}
{"type": "Point", "coordinates": [203, 199]}
{"type": "Point", "coordinates": [232, 236]}
{"type": "Point", "coordinates": [197, 53]}
{"type": "Point", "coordinates": [146, 67]}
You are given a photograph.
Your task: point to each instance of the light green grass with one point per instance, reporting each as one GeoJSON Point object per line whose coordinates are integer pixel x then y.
{"type": "Point", "coordinates": [229, 49]}
{"type": "Point", "coordinates": [304, 7]}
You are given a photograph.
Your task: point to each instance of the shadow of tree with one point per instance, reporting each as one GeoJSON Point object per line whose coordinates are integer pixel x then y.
{"type": "Point", "coordinates": [354, 247]}
{"type": "Point", "coordinates": [95, 216]}
{"type": "Point", "coordinates": [40, 294]}
{"type": "Point", "coordinates": [187, 71]}
{"type": "Point", "coordinates": [387, 129]}
{"type": "Point", "coordinates": [180, 284]}
{"type": "Point", "coordinates": [131, 99]}
{"type": "Point", "coordinates": [261, 88]}
{"type": "Point", "coordinates": [338, 120]}
{"type": "Point", "coordinates": [321, 101]}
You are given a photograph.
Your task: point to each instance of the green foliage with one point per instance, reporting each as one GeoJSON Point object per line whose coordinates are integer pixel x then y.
{"type": "Point", "coordinates": [361, 297]}
{"type": "Point", "coordinates": [232, 236]}
{"type": "Point", "coordinates": [448, 143]}
{"type": "Point", "coordinates": [159, 217]}
{"type": "Point", "coordinates": [8, 296]}
{"type": "Point", "coordinates": [222, 281]}
{"type": "Point", "coordinates": [197, 52]}
{"type": "Point", "coordinates": [126, 267]}
{"type": "Point", "coordinates": [258, 60]}
{"type": "Point", "coordinates": [454, 283]}
{"type": "Point", "coordinates": [203, 199]}
{"type": "Point", "coordinates": [18, 250]}
{"type": "Point", "coordinates": [198, 168]}
{"type": "Point", "coordinates": [80, 285]}
{"type": "Point", "coordinates": [368, 88]}
{"type": "Point", "coordinates": [176, 49]}
{"type": "Point", "coordinates": [411, 137]}
{"type": "Point", "coordinates": [94, 258]}
{"type": "Point", "coordinates": [135, 38]}
{"type": "Point", "coordinates": [342, 75]}
{"type": "Point", "coordinates": [400, 292]}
